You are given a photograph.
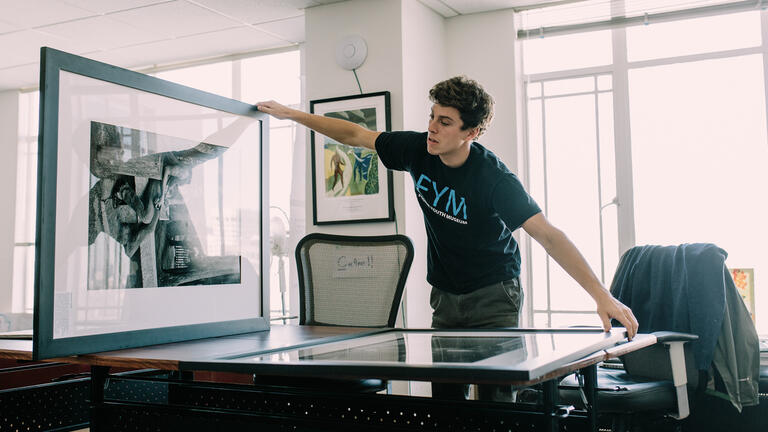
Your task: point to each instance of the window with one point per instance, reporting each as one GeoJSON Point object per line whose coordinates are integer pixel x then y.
{"type": "Point", "coordinates": [687, 114]}
{"type": "Point", "coordinates": [243, 79]}
{"type": "Point", "coordinates": [571, 161]}
{"type": "Point", "coordinates": [565, 53]}
{"type": "Point", "coordinates": [22, 290]}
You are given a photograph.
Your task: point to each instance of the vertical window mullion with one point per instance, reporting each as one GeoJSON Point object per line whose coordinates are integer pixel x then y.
{"type": "Point", "coordinates": [764, 49]}
{"type": "Point", "coordinates": [622, 139]}
{"type": "Point", "coordinates": [599, 182]}
{"type": "Point", "coordinates": [237, 80]}
{"type": "Point", "coordinates": [546, 195]}
{"type": "Point", "coordinates": [525, 154]}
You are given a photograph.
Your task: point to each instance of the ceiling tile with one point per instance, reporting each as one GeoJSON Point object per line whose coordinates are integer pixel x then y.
{"type": "Point", "coordinates": [108, 6]}
{"type": "Point", "coordinates": [291, 29]}
{"type": "Point", "coordinates": [111, 33]}
{"type": "Point", "coordinates": [6, 27]}
{"type": "Point", "coordinates": [439, 7]}
{"type": "Point", "coordinates": [33, 13]}
{"type": "Point", "coordinates": [23, 47]}
{"type": "Point", "coordinates": [20, 77]}
{"type": "Point", "coordinates": [175, 19]}
{"type": "Point", "coordinates": [257, 11]}
{"type": "Point", "coordinates": [224, 42]}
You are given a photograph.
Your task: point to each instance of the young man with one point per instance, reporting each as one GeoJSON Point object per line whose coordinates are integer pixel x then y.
{"type": "Point", "coordinates": [471, 203]}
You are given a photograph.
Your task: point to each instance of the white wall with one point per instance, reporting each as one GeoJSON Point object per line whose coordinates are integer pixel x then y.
{"type": "Point", "coordinates": [481, 46]}
{"type": "Point", "coordinates": [378, 22]}
{"type": "Point", "coordinates": [406, 56]}
{"type": "Point", "coordinates": [424, 64]}
{"type": "Point", "coordinates": [9, 127]}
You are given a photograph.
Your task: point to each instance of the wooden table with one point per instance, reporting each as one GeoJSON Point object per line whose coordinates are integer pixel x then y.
{"type": "Point", "coordinates": [16, 349]}
{"type": "Point", "coordinates": [182, 402]}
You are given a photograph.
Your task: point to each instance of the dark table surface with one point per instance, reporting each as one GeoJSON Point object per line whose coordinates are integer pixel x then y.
{"type": "Point", "coordinates": [508, 355]}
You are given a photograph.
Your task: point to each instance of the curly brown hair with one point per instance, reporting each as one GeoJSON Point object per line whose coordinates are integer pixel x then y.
{"type": "Point", "coordinates": [475, 106]}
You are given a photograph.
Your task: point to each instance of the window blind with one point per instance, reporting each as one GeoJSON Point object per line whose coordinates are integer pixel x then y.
{"type": "Point", "coordinates": [590, 15]}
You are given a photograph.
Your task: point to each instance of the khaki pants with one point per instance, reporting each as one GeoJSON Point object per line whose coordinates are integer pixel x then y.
{"type": "Point", "coordinates": [493, 306]}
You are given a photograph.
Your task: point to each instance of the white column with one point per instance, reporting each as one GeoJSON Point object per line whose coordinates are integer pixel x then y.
{"type": "Point", "coordinates": [9, 127]}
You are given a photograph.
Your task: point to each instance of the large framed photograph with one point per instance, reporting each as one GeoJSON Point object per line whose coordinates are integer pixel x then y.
{"type": "Point", "coordinates": [149, 224]}
{"type": "Point", "coordinates": [351, 184]}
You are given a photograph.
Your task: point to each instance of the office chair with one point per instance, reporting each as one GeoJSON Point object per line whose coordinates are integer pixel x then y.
{"type": "Point", "coordinates": [688, 289]}
{"type": "Point", "coordinates": [644, 388]}
{"type": "Point", "coordinates": [354, 281]}
{"type": "Point", "coordinates": [350, 280]}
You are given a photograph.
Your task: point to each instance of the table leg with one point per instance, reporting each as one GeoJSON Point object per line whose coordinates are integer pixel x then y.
{"type": "Point", "coordinates": [176, 391]}
{"type": "Point", "coordinates": [550, 389]}
{"type": "Point", "coordinates": [590, 391]}
{"type": "Point", "coordinates": [181, 375]}
{"type": "Point", "coordinates": [98, 381]}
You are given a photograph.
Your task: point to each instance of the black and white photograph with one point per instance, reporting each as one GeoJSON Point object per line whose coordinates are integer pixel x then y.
{"type": "Point", "coordinates": [146, 222]}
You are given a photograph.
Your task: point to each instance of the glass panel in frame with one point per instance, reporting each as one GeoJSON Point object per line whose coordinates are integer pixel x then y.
{"type": "Point", "coordinates": [503, 354]}
{"type": "Point", "coordinates": [149, 211]}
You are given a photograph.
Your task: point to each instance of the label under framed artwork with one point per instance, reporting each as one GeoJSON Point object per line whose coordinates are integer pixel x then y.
{"type": "Point", "coordinates": [149, 223]}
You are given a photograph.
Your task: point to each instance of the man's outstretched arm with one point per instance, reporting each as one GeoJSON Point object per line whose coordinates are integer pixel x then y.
{"type": "Point", "coordinates": [342, 131]}
{"type": "Point", "coordinates": [562, 250]}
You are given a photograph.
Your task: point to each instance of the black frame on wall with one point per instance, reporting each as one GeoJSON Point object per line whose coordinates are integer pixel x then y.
{"type": "Point", "coordinates": [330, 208]}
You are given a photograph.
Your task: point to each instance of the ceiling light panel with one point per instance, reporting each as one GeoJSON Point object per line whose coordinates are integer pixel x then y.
{"type": "Point", "coordinates": [33, 13]}
{"type": "Point", "coordinates": [109, 6]}
{"type": "Point", "coordinates": [214, 44]}
{"type": "Point", "coordinates": [102, 33]}
{"type": "Point", "coordinates": [257, 11]}
{"type": "Point", "coordinates": [291, 30]}
{"type": "Point", "coordinates": [175, 19]}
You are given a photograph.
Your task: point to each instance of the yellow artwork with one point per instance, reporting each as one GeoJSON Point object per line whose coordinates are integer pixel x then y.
{"type": "Point", "coordinates": [744, 279]}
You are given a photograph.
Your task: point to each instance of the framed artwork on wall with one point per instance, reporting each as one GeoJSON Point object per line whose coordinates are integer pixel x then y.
{"type": "Point", "coordinates": [351, 184]}
{"type": "Point", "coordinates": [744, 279]}
{"type": "Point", "coordinates": [149, 224]}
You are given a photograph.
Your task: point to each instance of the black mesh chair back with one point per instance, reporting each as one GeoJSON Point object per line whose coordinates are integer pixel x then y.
{"type": "Point", "coordinates": [352, 280]}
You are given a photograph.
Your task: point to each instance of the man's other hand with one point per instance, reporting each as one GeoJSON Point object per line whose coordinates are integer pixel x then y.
{"type": "Point", "coordinates": [608, 307]}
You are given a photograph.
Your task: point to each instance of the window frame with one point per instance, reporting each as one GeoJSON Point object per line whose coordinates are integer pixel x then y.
{"type": "Point", "coordinates": [619, 70]}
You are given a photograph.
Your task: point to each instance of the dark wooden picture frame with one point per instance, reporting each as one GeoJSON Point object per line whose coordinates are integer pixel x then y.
{"type": "Point", "coordinates": [350, 184]}
{"type": "Point", "coordinates": [186, 292]}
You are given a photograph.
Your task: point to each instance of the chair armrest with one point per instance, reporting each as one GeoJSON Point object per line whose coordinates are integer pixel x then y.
{"type": "Point", "coordinates": [675, 342]}
{"type": "Point", "coordinates": [640, 341]}
{"type": "Point", "coordinates": [670, 336]}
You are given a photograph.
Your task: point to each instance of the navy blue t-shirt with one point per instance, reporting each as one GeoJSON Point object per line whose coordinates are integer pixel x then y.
{"type": "Point", "coordinates": [469, 211]}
